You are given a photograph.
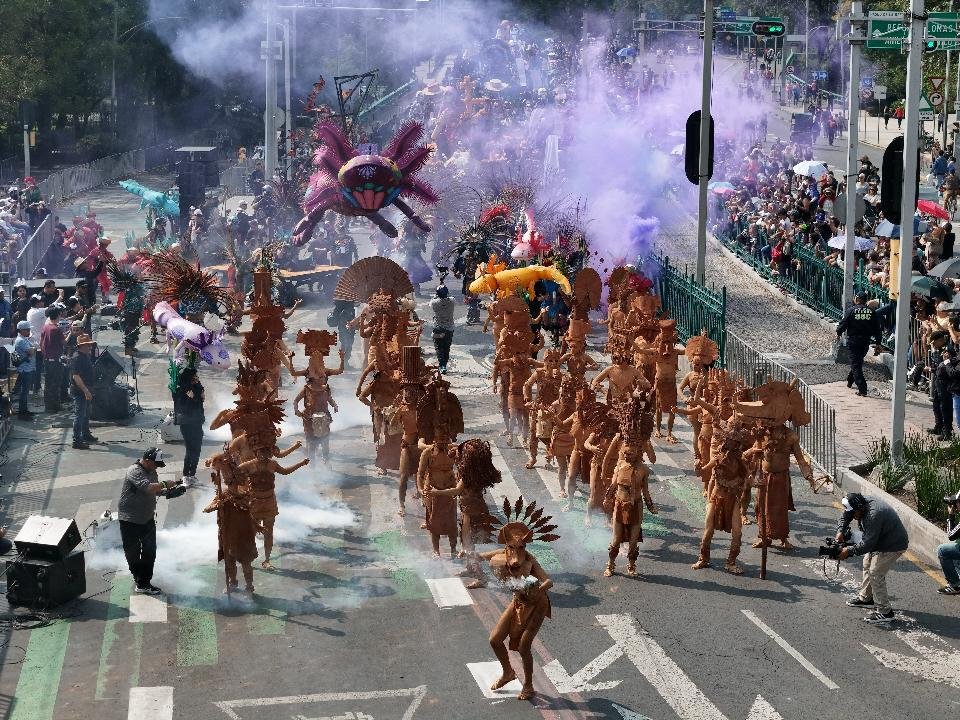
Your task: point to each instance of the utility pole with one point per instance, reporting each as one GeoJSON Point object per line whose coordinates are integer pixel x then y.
{"type": "Point", "coordinates": [288, 125]}
{"type": "Point", "coordinates": [705, 139]}
{"type": "Point", "coordinates": [857, 39]}
{"type": "Point", "coordinates": [806, 43]}
{"type": "Point", "coordinates": [113, 73]}
{"type": "Point", "coordinates": [269, 121]}
{"type": "Point", "coordinates": [946, 94]}
{"type": "Point", "coordinates": [916, 21]}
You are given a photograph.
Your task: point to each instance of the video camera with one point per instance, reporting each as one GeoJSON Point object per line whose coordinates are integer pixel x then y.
{"type": "Point", "coordinates": [831, 548]}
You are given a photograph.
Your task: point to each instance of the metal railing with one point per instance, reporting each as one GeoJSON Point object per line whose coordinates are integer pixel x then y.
{"type": "Point", "coordinates": [695, 307]}
{"type": "Point", "coordinates": [809, 278]}
{"type": "Point", "coordinates": [10, 168]}
{"type": "Point", "coordinates": [80, 178]}
{"type": "Point", "coordinates": [33, 251]}
{"type": "Point", "coordinates": [818, 437]}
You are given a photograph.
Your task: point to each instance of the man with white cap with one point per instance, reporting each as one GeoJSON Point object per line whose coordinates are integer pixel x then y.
{"type": "Point", "coordinates": [25, 363]}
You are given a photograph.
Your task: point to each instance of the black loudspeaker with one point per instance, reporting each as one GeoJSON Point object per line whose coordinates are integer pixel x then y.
{"type": "Point", "coordinates": [110, 402]}
{"type": "Point", "coordinates": [211, 174]}
{"type": "Point", "coordinates": [44, 584]}
{"type": "Point", "coordinates": [106, 368]}
{"type": "Point", "coordinates": [47, 538]}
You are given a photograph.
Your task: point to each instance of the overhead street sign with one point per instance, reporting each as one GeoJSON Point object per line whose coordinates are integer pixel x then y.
{"type": "Point", "coordinates": [887, 29]}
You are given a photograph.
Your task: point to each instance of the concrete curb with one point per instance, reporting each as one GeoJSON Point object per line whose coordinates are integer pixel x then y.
{"type": "Point", "coordinates": [924, 535]}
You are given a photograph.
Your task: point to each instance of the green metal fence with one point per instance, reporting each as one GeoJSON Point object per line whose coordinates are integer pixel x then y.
{"type": "Point", "coordinates": [695, 307]}
{"type": "Point", "coordinates": [808, 278]}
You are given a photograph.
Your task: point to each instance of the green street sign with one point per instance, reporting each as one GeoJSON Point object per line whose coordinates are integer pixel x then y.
{"type": "Point", "coordinates": [744, 25]}
{"type": "Point", "coordinates": [887, 30]}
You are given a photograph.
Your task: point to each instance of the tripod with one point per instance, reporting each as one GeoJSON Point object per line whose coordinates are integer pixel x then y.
{"type": "Point", "coordinates": [136, 385]}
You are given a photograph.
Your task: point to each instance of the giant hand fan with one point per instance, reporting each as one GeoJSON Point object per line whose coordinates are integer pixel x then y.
{"type": "Point", "coordinates": [370, 274]}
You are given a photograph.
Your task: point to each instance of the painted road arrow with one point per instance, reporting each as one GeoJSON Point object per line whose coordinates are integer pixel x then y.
{"type": "Point", "coordinates": [580, 681]}
{"type": "Point", "coordinates": [666, 677]}
{"type": "Point", "coordinates": [761, 710]}
{"type": "Point", "coordinates": [935, 660]}
{"type": "Point", "coordinates": [628, 714]}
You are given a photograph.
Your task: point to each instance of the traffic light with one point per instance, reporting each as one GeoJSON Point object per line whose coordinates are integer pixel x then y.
{"type": "Point", "coordinates": [764, 28]}
{"type": "Point", "coordinates": [931, 46]}
{"type": "Point", "coordinates": [691, 153]}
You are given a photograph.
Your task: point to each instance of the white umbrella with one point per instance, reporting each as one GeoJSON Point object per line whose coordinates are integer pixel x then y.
{"type": "Point", "coordinates": [678, 150]}
{"type": "Point", "coordinates": [859, 243]}
{"type": "Point", "coordinates": [885, 229]}
{"type": "Point", "coordinates": [810, 168]}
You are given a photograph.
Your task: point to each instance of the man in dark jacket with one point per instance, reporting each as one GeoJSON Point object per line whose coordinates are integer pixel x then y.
{"type": "Point", "coordinates": [884, 541]}
{"type": "Point", "coordinates": [861, 325]}
{"type": "Point", "coordinates": [940, 394]}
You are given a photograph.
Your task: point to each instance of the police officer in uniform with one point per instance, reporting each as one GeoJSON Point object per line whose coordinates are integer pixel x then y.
{"type": "Point", "coordinates": [861, 325]}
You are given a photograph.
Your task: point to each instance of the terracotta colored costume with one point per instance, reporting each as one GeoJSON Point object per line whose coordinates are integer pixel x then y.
{"type": "Point", "coordinates": [441, 511]}
{"type": "Point", "coordinates": [666, 394]}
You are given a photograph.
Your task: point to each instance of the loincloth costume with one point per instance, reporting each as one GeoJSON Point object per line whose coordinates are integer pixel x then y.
{"type": "Point", "coordinates": [666, 394]}
{"type": "Point", "coordinates": [777, 502]}
{"type": "Point", "coordinates": [527, 613]}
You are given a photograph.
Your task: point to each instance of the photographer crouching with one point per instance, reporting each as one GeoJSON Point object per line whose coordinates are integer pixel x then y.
{"type": "Point", "coordinates": [949, 552]}
{"type": "Point", "coordinates": [884, 541]}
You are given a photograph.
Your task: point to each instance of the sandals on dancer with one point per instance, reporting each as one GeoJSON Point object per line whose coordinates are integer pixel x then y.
{"type": "Point", "coordinates": [701, 564]}
{"type": "Point", "coordinates": [267, 565]}
{"type": "Point", "coordinates": [504, 679]}
{"type": "Point", "coordinates": [526, 694]}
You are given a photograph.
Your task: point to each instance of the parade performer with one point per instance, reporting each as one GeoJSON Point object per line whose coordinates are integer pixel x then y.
{"type": "Point", "coordinates": [777, 403]}
{"type": "Point", "coordinates": [316, 415]}
{"type": "Point", "coordinates": [521, 573]}
{"type": "Point", "coordinates": [547, 379]}
{"type": "Point", "coordinates": [476, 474]}
{"type": "Point", "coordinates": [236, 528]}
{"type": "Point", "coordinates": [629, 490]}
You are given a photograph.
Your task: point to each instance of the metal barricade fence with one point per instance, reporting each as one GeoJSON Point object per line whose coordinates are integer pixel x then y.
{"type": "Point", "coordinates": [235, 180]}
{"type": "Point", "coordinates": [695, 307]}
{"type": "Point", "coordinates": [818, 437]}
{"type": "Point", "coordinates": [79, 178]}
{"type": "Point", "coordinates": [10, 168]}
{"type": "Point", "coordinates": [33, 251]}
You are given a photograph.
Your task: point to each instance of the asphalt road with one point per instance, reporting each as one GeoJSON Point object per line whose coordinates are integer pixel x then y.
{"type": "Point", "coordinates": [350, 627]}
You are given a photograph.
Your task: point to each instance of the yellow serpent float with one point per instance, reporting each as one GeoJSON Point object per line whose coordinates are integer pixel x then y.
{"type": "Point", "coordinates": [509, 281]}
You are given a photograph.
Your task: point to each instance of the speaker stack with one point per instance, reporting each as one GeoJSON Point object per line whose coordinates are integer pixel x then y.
{"type": "Point", "coordinates": [111, 400]}
{"type": "Point", "coordinates": [48, 571]}
{"type": "Point", "coordinates": [198, 170]}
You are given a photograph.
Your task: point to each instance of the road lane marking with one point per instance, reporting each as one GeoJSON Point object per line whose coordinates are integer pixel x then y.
{"type": "Point", "coordinates": [148, 609]}
{"type": "Point", "coordinates": [113, 649]}
{"type": "Point", "coordinates": [762, 710]}
{"type": "Point", "coordinates": [793, 652]}
{"type": "Point", "coordinates": [150, 703]}
{"type": "Point", "coordinates": [486, 673]}
{"type": "Point", "coordinates": [197, 642]}
{"type": "Point", "coordinates": [936, 659]}
{"type": "Point", "coordinates": [666, 677]}
{"type": "Point", "coordinates": [551, 480]}
{"type": "Point", "coordinates": [507, 487]}
{"type": "Point", "coordinates": [36, 695]}
{"type": "Point", "coordinates": [416, 695]}
{"type": "Point", "coordinates": [579, 682]}
{"type": "Point", "coordinates": [449, 592]}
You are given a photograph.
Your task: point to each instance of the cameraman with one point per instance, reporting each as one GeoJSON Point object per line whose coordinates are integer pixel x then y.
{"type": "Point", "coordinates": [884, 541]}
{"type": "Point", "coordinates": [949, 552]}
{"type": "Point", "coordinates": [138, 529]}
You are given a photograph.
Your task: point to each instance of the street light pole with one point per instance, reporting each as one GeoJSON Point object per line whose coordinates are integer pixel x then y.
{"type": "Point", "coordinates": [288, 125]}
{"type": "Point", "coordinates": [946, 93]}
{"type": "Point", "coordinates": [908, 203]}
{"type": "Point", "coordinates": [113, 71]}
{"type": "Point", "coordinates": [269, 121]}
{"type": "Point", "coordinates": [806, 40]}
{"type": "Point", "coordinates": [705, 139]}
{"type": "Point", "coordinates": [853, 111]}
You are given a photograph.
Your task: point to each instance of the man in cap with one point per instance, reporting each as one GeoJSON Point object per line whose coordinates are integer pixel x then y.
{"type": "Point", "coordinates": [25, 363]}
{"type": "Point", "coordinates": [884, 541]}
{"type": "Point", "coordinates": [241, 221]}
{"type": "Point", "coordinates": [138, 529]}
{"type": "Point", "coordinates": [861, 325]}
{"type": "Point", "coordinates": [81, 384]}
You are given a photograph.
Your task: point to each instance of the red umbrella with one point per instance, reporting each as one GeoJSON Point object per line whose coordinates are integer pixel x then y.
{"type": "Point", "coordinates": [929, 207]}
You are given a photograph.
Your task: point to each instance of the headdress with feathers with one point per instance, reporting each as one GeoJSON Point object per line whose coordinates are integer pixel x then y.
{"type": "Point", "coordinates": [524, 524]}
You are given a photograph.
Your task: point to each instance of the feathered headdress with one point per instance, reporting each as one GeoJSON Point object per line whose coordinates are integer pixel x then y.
{"type": "Point", "coordinates": [173, 279]}
{"type": "Point", "coordinates": [524, 524]}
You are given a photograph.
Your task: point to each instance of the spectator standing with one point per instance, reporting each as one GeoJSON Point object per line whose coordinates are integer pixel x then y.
{"type": "Point", "coordinates": [50, 293]}
{"type": "Point", "coordinates": [884, 541]}
{"type": "Point", "coordinates": [343, 317]}
{"type": "Point", "coordinates": [4, 314]}
{"type": "Point", "coordinates": [939, 168]}
{"type": "Point", "coordinates": [188, 416]}
{"type": "Point", "coordinates": [138, 528]}
{"type": "Point", "coordinates": [52, 342]}
{"type": "Point", "coordinates": [25, 363]}
{"type": "Point", "coordinates": [81, 383]}
{"type": "Point", "coordinates": [886, 117]}
{"type": "Point", "coordinates": [949, 552]}
{"type": "Point", "coordinates": [898, 116]}
{"type": "Point", "coordinates": [443, 327]}
{"type": "Point", "coordinates": [949, 238]}
{"type": "Point", "coordinates": [19, 307]}
{"type": "Point", "coordinates": [37, 316]}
